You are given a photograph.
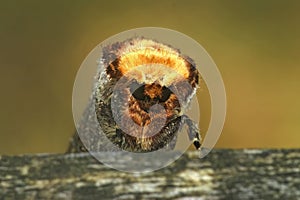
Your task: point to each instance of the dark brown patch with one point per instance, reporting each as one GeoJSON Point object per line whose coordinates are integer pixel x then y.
{"type": "Point", "coordinates": [153, 90]}
{"type": "Point", "coordinates": [193, 75]}
{"type": "Point", "coordinates": [112, 69]}
{"type": "Point", "coordinates": [172, 106]}
{"type": "Point", "coordinates": [137, 114]}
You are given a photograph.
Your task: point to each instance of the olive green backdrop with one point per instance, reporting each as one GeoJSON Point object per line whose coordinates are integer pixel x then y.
{"type": "Point", "coordinates": [256, 45]}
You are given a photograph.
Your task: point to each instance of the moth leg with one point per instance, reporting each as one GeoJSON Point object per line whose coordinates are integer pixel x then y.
{"type": "Point", "coordinates": [193, 131]}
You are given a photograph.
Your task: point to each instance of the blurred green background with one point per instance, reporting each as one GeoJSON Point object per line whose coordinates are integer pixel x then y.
{"type": "Point", "coordinates": [256, 45]}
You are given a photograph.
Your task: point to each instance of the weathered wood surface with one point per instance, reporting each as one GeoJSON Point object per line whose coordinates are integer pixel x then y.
{"type": "Point", "coordinates": [223, 174]}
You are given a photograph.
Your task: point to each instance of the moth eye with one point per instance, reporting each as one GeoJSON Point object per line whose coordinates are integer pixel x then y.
{"type": "Point", "coordinates": [166, 92]}
{"type": "Point", "coordinates": [137, 91]}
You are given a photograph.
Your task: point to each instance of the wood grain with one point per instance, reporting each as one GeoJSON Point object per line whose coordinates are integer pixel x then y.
{"type": "Point", "coordinates": [223, 174]}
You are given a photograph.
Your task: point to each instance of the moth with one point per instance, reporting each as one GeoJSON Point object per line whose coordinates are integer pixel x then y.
{"type": "Point", "coordinates": [142, 90]}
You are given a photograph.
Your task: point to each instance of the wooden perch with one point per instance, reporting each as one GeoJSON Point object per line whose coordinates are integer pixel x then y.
{"type": "Point", "coordinates": [223, 174]}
